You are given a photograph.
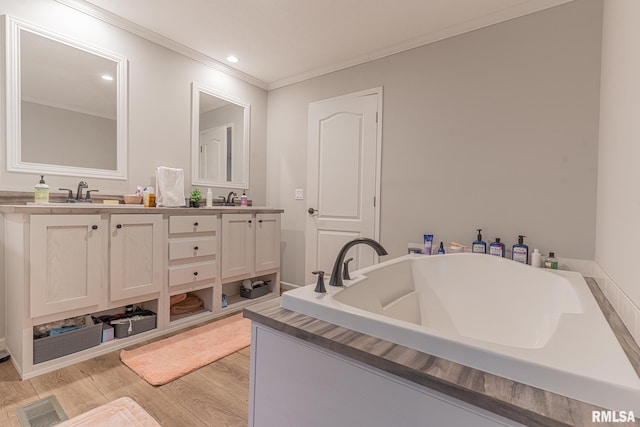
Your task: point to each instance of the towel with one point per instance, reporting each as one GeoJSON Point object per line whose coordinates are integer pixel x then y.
{"type": "Point", "coordinates": [169, 187]}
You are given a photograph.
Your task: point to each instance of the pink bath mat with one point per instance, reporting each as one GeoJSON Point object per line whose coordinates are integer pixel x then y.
{"type": "Point", "coordinates": [165, 360]}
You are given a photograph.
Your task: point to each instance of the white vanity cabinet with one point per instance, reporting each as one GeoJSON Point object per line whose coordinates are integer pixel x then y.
{"type": "Point", "coordinates": [238, 235]}
{"type": "Point", "coordinates": [192, 261]}
{"type": "Point", "coordinates": [136, 256]}
{"type": "Point", "coordinates": [65, 262]}
{"type": "Point", "coordinates": [267, 248]}
{"type": "Point", "coordinates": [66, 252]}
{"type": "Point", "coordinates": [251, 244]}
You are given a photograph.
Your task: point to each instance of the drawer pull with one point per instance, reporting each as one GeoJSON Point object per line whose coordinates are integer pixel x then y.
{"type": "Point", "coordinates": [260, 221]}
{"type": "Point", "coordinates": [195, 273]}
{"type": "Point", "coordinates": [119, 226]}
{"type": "Point", "coordinates": [195, 224]}
{"type": "Point", "coordinates": [249, 221]}
{"type": "Point", "coordinates": [94, 227]}
{"type": "Point", "coordinates": [195, 248]}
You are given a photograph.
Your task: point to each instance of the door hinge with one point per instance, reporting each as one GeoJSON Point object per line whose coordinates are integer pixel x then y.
{"type": "Point", "coordinates": [376, 117]}
{"type": "Point", "coordinates": [374, 201]}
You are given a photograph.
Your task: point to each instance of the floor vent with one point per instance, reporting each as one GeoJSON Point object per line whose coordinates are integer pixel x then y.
{"type": "Point", "coordinates": [41, 413]}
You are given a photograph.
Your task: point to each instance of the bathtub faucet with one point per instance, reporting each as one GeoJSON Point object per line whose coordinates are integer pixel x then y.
{"type": "Point", "coordinates": [336, 276]}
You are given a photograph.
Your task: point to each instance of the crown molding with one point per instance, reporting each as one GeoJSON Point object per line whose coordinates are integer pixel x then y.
{"type": "Point", "coordinates": [126, 25]}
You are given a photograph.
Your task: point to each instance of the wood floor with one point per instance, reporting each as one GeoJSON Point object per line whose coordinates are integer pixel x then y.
{"type": "Point", "coordinates": [215, 395]}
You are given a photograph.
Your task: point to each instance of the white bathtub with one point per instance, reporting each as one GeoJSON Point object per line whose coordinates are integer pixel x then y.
{"type": "Point", "coordinates": [534, 326]}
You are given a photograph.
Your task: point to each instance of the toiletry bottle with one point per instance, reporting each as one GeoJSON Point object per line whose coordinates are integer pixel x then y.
{"type": "Point", "coordinates": [536, 258]}
{"type": "Point", "coordinates": [551, 262]}
{"type": "Point", "coordinates": [496, 248]}
{"type": "Point", "coordinates": [149, 197]}
{"type": "Point", "coordinates": [479, 246]}
{"type": "Point", "coordinates": [209, 198]}
{"type": "Point", "coordinates": [428, 242]}
{"type": "Point", "coordinates": [41, 193]}
{"type": "Point", "coordinates": [243, 199]}
{"type": "Point", "coordinates": [441, 249]}
{"type": "Point", "coordinates": [520, 251]}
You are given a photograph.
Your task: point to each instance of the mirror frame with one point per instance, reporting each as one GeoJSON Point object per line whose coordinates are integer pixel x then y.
{"type": "Point", "coordinates": [14, 112]}
{"type": "Point", "coordinates": [196, 89]}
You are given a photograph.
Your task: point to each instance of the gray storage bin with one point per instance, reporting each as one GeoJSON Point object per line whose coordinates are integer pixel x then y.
{"type": "Point", "coordinates": [55, 346]}
{"type": "Point", "coordinates": [255, 292]}
{"type": "Point", "coordinates": [146, 323]}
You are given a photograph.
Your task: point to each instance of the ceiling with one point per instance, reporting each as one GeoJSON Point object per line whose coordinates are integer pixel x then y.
{"type": "Point", "coordinates": [279, 42]}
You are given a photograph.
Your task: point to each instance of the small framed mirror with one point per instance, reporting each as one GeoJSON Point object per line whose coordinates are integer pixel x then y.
{"type": "Point", "coordinates": [220, 130]}
{"type": "Point", "coordinates": [66, 105]}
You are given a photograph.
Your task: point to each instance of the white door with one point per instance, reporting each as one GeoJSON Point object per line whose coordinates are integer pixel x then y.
{"type": "Point", "coordinates": [213, 153]}
{"type": "Point", "coordinates": [343, 179]}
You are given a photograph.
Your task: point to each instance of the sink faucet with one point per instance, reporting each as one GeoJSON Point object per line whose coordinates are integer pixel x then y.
{"type": "Point", "coordinates": [81, 185]}
{"type": "Point", "coordinates": [336, 277]}
{"type": "Point", "coordinates": [230, 197]}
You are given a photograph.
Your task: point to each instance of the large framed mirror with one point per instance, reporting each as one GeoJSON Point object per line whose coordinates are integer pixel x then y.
{"type": "Point", "coordinates": [66, 105]}
{"type": "Point", "coordinates": [220, 131]}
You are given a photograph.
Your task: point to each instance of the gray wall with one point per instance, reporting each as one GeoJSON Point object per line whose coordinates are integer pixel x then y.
{"type": "Point", "coordinates": [618, 225]}
{"type": "Point", "coordinates": [65, 137]}
{"type": "Point", "coordinates": [494, 129]}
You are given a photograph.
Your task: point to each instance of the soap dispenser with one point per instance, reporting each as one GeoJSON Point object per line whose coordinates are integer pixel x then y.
{"type": "Point", "coordinates": [243, 199]}
{"type": "Point", "coordinates": [41, 193]}
{"type": "Point", "coordinates": [520, 251]}
{"type": "Point", "coordinates": [497, 248]}
{"type": "Point", "coordinates": [479, 246]}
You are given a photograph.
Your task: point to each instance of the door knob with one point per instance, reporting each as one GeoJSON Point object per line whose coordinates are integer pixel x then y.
{"type": "Point", "coordinates": [312, 211]}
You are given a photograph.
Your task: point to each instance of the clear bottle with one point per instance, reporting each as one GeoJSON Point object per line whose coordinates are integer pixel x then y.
{"type": "Point", "coordinates": [551, 262]}
{"type": "Point", "coordinates": [209, 198]}
{"type": "Point", "coordinates": [41, 193]}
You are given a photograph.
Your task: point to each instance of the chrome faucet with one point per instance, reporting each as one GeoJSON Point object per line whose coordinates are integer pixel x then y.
{"type": "Point", "coordinates": [230, 197]}
{"type": "Point", "coordinates": [336, 277]}
{"type": "Point", "coordinates": [81, 185]}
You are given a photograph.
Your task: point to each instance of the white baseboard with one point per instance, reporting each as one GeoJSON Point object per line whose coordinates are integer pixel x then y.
{"type": "Point", "coordinates": [286, 286]}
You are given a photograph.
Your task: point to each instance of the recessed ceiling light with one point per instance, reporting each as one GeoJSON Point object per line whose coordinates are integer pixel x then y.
{"type": "Point", "coordinates": [107, 77]}
{"type": "Point", "coordinates": [232, 58]}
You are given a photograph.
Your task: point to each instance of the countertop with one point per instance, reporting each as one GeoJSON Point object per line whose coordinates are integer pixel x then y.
{"type": "Point", "coordinates": [522, 403]}
{"type": "Point", "coordinates": [99, 208]}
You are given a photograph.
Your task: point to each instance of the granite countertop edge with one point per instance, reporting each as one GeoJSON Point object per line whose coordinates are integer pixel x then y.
{"type": "Point", "coordinates": [513, 400]}
{"type": "Point", "coordinates": [106, 208]}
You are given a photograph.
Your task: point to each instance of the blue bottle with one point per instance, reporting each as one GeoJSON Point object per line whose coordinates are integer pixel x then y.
{"type": "Point", "coordinates": [479, 246]}
{"type": "Point", "coordinates": [441, 249]}
{"type": "Point", "coordinates": [496, 248]}
{"type": "Point", "coordinates": [521, 251]}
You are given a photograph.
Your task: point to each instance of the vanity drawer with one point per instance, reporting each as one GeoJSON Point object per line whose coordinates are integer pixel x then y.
{"type": "Point", "coordinates": [192, 247]}
{"type": "Point", "coordinates": [188, 273]}
{"type": "Point", "coordinates": [192, 224]}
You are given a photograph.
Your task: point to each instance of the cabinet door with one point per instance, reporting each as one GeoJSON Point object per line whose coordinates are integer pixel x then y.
{"type": "Point", "coordinates": [238, 240]}
{"type": "Point", "coordinates": [136, 266]}
{"type": "Point", "coordinates": [65, 255]}
{"type": "Point", "coordinates": [267, 241]}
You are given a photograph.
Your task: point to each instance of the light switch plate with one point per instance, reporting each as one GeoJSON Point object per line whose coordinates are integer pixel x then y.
{"type": "Point", "coordinates": [299, 194]}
